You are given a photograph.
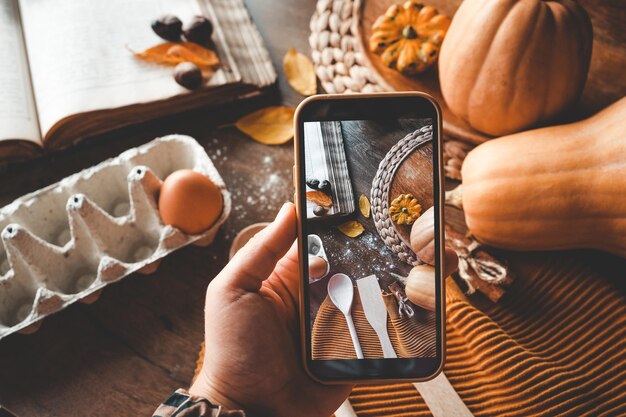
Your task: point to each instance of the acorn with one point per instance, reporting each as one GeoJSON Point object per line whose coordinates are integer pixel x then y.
{"type": "Point", "coordinates": [199, 30]}
{"type": "Point", "coordinates": [313, 183]}
{"type": "Point", "coordinates": [320, 211]}
{"type": "Point", "coordinates": [325, 187]}
{"type": "Point", "coordinates": [188, 75]}
{"type": "Point", "coordinates": [168, 27]}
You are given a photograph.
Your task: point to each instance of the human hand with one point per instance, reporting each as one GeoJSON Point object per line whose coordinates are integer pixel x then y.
{"type": "Point", "coordinates": [252, 353]}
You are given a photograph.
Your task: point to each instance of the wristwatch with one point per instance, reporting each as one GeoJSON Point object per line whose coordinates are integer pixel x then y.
{"type": "Point", "coordinates": [183, 404]}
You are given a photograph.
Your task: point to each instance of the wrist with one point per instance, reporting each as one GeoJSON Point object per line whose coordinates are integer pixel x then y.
{"type": "Point", "coordinates": [202, 388]}
{"type": "Point", "coordinates": [184, 402]}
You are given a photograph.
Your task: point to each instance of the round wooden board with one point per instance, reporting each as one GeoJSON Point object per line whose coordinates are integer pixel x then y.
{"type": "Point", "coordinates": [414, 176]}
{"type": "Point", "coordinates": [428, 82]}
{"type": "Point", "coordinates": [606, 82]}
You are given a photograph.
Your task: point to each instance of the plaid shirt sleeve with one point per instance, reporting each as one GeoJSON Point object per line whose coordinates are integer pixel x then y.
{"type": "Point", "coordinates": [183, 404]}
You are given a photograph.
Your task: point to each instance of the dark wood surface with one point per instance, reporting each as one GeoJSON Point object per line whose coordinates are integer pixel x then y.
{"type": "Point", "coordinates": [125, 353]}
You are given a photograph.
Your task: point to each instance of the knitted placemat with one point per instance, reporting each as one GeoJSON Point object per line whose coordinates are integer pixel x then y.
{"type": "Point", "coordinates": [380, 192]}
{"type": "Point", "coordinates": [342, 69]}
{"type": "Point", "coordinates": [411, 337]}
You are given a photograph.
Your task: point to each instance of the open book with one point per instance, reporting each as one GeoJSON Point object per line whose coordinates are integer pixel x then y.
{"type": "Point", "coordinates": [66, 71]}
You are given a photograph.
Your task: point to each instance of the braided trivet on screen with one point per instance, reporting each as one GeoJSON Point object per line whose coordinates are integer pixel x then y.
{"type": "Point", "coordinates": [380, 192]}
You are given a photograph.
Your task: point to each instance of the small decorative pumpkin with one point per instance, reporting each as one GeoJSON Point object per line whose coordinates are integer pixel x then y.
{"type": "Point", "coordinates": [423, 237]}
{"type": "Point", "coordinates": [408, 36]}
{"type": "Point", "coordinates": [420, 287]}
{"type": "Point", "coordinates": [559, 187]}
{"type": "Point", "coordinates": [507, 65]}
{"type": "Point", "coordinates": [404, 209]}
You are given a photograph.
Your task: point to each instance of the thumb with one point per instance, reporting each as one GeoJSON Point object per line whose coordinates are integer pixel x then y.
{"type": "Point", "coordinates": [255, 262]}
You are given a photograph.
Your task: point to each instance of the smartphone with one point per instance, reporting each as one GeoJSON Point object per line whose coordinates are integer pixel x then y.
{"type": "Point", "coordinates": [367, 167]}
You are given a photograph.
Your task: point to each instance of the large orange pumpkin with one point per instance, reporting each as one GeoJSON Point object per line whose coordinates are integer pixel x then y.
{"type": "Point", "coordinates": [506, 65]}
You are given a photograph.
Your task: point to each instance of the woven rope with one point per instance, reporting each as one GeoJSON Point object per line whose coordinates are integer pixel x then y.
{"type": "Point", "coordinates": [380, 192]}
{"type": "Point", "coordinates": [339, 63]}
{"type": "Point", "coordinates": [341, 68]}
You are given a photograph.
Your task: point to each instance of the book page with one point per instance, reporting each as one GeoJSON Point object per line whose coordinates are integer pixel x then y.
{"type": "Point", "coordinates": [80, 59]}
{"type": "Point", "coordinates": [18, 117]}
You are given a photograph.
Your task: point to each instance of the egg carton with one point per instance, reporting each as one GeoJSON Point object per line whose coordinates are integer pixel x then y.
{"type": "Point", "coordinates": [66, 242]}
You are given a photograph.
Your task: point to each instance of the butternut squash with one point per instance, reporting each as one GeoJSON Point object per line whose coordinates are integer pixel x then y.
{"type": "Point", "coordinates": [506, 65]}
{"type": "Point", "coordinates": [558, 187]}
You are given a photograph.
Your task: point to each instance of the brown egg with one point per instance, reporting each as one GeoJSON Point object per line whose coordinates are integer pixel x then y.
{"type": "Point", "coordinates": [317, 267]}
{"type": "Point", "coordinates": [190, 201]}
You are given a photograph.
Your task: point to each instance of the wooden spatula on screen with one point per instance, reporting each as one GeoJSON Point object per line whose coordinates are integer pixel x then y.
{"type": "Point", "coordinates": [376, 312]}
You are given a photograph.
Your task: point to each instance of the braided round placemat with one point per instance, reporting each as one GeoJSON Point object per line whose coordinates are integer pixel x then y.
{"type": "Point", "coordinates": [341, 67]}
{"type": "Point", "coordinates": [380, 192]}
{"type": "Point", "coordinates": [339, 63]}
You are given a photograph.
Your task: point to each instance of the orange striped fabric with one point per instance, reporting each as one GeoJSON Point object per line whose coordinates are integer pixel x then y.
{"type": "Point", "coordinates": [414, 337]}
{"type": "Point", "coordinates": [554, 346]}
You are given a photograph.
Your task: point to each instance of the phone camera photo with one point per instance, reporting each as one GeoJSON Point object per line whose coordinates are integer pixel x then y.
{"type": "Point", "coordinates": [368, 184]}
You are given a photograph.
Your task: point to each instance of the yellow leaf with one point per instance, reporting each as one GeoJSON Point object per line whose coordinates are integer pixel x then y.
{"type": "Point", "coordinates": [270, 126]}
{"type": "Point", "coordinates": [173, 53]}
{"type": "Point", "coordinates": [319, 198]}
{"type": "Point", "coordinates": [364, 205]}
{"type": "Point", "coordinates": [351, 228]}
{"type": "Point", "coordinates": [197, 54]}
{"type": "Point", "coordinates": [300, 73]}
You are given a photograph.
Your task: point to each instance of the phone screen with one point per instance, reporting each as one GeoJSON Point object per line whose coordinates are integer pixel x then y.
{"type": "Point", "coordinates": [366, 177]}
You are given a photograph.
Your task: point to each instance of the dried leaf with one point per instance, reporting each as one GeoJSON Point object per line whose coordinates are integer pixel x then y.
{"type": "Point", "coordinates": [351, 228]}
{"type": "Point", "coordinates": [173, 53]}
{"type": "Point", "coordinates": [300, 73]}
{"type": "Point", "coordinates": [197, 54]}
{"type": "Point", "coordinates": [319, 198]}
{"type": "Point", "coordinates": [270, 126]}
{"type": "Point", "coordinates": [364, 205]}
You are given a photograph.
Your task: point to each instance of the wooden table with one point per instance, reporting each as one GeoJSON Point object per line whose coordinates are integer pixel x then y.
{"type": "Point", "coordinates": [140, 340]}
{"type": "Point", "coordinates": [124, 354]}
